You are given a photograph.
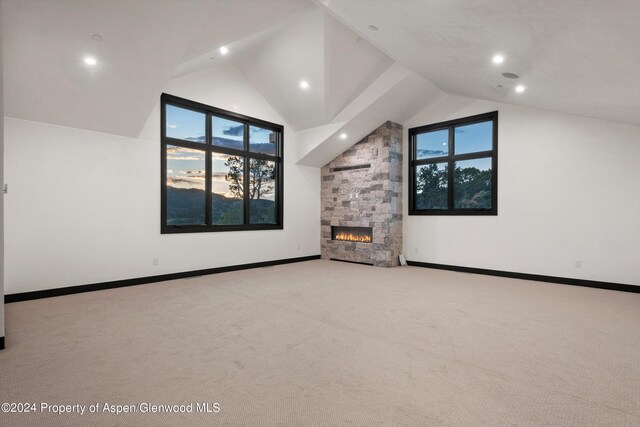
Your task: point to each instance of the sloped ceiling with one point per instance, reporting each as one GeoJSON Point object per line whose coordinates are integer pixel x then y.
{"type": "Point", "coordinates": [46, 80]}
{"type": "Point", "coordinates": [233, 20]}
{"type": "Point", "coordinates": [143, 43]}
{"type": "Point", "coordinates": [396, 95]}
{"type": "Point", "coordinates": [336, 62]}
{"type": "Point", "coordinates": [575, 56]}
{"type": "Point", "coordinates": [275, 65]}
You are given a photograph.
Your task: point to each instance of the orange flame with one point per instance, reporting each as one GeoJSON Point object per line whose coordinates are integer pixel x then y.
{"type": "Point", "coordinates": [350, 237]}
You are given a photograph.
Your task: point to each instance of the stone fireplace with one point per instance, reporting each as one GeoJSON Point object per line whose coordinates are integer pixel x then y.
{"type": "Point", "coordinates": [361, 219]}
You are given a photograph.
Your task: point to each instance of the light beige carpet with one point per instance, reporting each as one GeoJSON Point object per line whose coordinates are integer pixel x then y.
{"type": "Point", "coordinates": [332, 344]}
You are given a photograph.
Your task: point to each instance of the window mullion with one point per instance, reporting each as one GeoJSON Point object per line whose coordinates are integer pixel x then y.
{"type": "Point", "coordinates": [471, 156]}
{"type": "Point", "coordinates": [450, 170]}
{"type": "Point", "coordinates": [246, 174]}
{"type": "Point", "coordinates": [431, 160]}
{"type": "Point", "coordinates": [208, 166]}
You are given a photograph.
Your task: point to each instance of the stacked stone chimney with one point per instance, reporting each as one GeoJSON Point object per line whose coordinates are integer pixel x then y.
{"type": "Point", "coordinates": [362, 187]}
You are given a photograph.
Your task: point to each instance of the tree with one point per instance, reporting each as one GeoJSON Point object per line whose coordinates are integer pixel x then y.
{"type": "Point", "coordinates": [262, 173]}
{"type": "Point", "coordinates": [431, 186]}
{"type": "Point", "coordinates": [472, 188]}
{"type": "Point", "coordinates": [235, 176]}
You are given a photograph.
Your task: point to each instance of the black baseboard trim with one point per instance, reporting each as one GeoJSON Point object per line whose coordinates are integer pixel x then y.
{"type": "Point", "coordinates": [47, 293]}
{"type": "Point", "coordinates": [526, 276]}
{"type": "Point", "coordinates": [1, 343]}
{"type": "Point", "coordinates": [351, 262]}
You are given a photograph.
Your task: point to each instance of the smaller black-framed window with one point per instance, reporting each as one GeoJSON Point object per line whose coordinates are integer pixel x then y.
{"type": "Point", "coordinates": [220, 170]}
{"type": "Point", "coordinates": [453, 167]}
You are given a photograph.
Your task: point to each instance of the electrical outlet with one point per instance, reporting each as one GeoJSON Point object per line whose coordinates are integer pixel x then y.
{"type": "Point", "coordinates": [156, 261]}
{"type": "Point", "coordinates": [6, 188]}
{"type": "Point", "coordinates": [578, 263]}
{"type": "Point", "coordinates": [416, 250]}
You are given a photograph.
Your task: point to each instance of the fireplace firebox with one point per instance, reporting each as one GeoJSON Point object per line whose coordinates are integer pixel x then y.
{"type": "Point", "coordinates": [352, 234]}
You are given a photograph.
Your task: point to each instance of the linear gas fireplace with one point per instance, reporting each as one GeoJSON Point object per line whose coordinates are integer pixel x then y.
{"type": "Point", "coordinates": [352, 234]}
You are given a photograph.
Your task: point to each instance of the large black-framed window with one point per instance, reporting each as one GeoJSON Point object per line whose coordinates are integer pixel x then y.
{"type": "Point", "coordinates": [221, 171]}
{"type": "Point", "coordinates": [453, 167]}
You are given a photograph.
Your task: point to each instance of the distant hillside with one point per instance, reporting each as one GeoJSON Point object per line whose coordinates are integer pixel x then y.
{"type": "Point", "coordinates": [186, 207]}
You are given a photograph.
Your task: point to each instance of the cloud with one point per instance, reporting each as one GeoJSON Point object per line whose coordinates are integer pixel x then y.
{"type": "Point", "coordinates": [186, 182]}
{"type": "Point", "coordinates": [194, 173]}
{"type": "Point", "coordinates": [234, 130]}
{"type": "Point", "coordinates": [176, 149]}
{"type": "Point", "coordinates": [187, 173]}
{"type": "Point", "coordinates": [431, 153]}
{"type": "Point", "coordinates": [220, 156]}
{"type": "Point", "coordinates": [169, 157]}
{"type": "Point", "coordinates": [172, 125]}
{"type": "Point", "coordinates": [187, 154]}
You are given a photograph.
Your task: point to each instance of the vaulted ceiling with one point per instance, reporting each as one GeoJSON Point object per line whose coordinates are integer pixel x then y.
{"type": "Point", "coordinates": [574, 56]}
{"type": "Point", "coordinates": [143, 42]}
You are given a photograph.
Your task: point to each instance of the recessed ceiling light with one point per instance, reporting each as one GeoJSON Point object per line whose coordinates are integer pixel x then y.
{"type": "Point", "coordinates": [520, 88]}
{"type": "Point", "coordinates": [304, 84]}
{"type": "Point", "coordinates": [96, 37]}
{"type": "Point", "coordinates": [498, 59]}
{"type": "Point", "coordinates": [343, 135]}
{"type": "Point", "coordinates": [373, 27]}
{"type": "Point", "coordinates": [510, 75]}
{"type": "Point", "coordinates": [90, 60]}
{"type": "Point", "coordinates": [224, 50]}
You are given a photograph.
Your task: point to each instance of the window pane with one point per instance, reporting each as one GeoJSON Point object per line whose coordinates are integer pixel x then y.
{"type": "Point", "coordinates": [262, 191]}
{"type": "Point", "coordinates": [227, 189]}
{"type": "Point", "coordinates": [431, 186]}
{"type": "Point", "coordinates": [185, 186]}
{"type": "Point", "coordinates": [262, 140]}
{"type": "Point", "coordinates": [432, 144]}
{"type": "Point", "coordinates": [227, 133]}
{"type": "Point", "coordinates": [473, 138]}
{"type": "Point", "coordinates": [185, 124]}
{"type": "Point", "coordinates": [472, 184]}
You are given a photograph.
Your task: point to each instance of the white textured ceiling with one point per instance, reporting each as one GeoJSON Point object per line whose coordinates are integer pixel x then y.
{"type": "Point", "coordinates": [233, 20]}
{"type": "Point", "coordinates": [337, 64]}
{"type": "Point", "coordinates": [144, 41]}
{"type": "Point", "coordinates": [44, 76]}
{"type": "Point", "coordinates": [574, 56]}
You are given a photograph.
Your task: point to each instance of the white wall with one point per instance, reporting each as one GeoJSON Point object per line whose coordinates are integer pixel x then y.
{"type": "Point", "coordinates": [84, 207]}
{"type": "Point", "coordinates": [568, 190]}
{"type": "Point", "coordinates": [1, 185]}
